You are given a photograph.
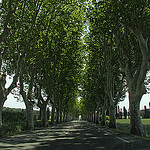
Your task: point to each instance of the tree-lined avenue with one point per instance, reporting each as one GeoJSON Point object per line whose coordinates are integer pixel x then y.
{"type": "Point", "coordinates": [73, 135]}
{"type": "Point", "coordinates": [58, 51]}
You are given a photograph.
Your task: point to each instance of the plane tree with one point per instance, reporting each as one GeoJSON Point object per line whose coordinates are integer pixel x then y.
{"type": "Point", "coordinates": [130, 23]}
{"type": "Point", "coordinates": [42, 95]}
{"type": "Point", "coordinates": [53, 42]}
{"type": "Point", "coordinates": [104, 71]}
{"type": "Point", "coordinates": [103, 92]}
{"type": "Point", "coordinates": [114, 79]}
{"type": "Point", "coordinates": [15, 42]}
{"type": "Point", "coordinates": [8, 8]}
{"type": "Point", "coordinates": [60, 41]}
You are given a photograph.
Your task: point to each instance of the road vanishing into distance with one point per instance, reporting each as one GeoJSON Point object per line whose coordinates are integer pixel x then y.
{"type": "Point", "coordinates": [74, 135]}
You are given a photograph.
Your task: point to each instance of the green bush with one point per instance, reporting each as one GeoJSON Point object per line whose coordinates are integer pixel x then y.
{"type": "Point", "coordinates": [12, 128]}
{"type": "Point", "coordinates": [107, 117]}
{"type": "Point", "coordinates": [14, 121]}
{"type": "Point", "coordinates": [38, 124]}
{"type": "Point", "coordinates": [13, 115]}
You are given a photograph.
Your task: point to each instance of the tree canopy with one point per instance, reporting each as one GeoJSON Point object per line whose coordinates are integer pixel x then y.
{"type": "Point", "coordinates": [57, 51]}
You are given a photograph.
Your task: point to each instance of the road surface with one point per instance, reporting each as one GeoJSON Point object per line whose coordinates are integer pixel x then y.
{"type": "Point", "coordinates": [75, 135]}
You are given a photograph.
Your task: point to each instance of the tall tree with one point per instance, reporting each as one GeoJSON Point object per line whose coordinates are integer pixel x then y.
{"type": "Point", "coordinates": [131, 33]}
{"type": "Point", "coordinates": [11, 53]}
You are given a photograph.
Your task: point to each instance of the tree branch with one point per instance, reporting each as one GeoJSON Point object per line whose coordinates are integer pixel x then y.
{"type": "Point", "coordinates": [6, 29]}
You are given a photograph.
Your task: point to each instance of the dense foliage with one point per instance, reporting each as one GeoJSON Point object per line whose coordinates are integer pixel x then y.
{"type": "Point", "coordinates": [58, 51]}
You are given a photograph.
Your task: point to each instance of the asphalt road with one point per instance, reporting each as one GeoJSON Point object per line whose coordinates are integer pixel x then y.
{"type": "Point", "coordinates": [75, 135]}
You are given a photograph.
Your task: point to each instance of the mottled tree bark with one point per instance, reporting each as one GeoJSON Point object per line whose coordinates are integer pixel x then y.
{"type": "Point", "coordinates": [57, 115]}
{"type": "Point", "coordinates": [44, 115]}
{"type": "Point", "coordinates": [64, 116]}
{"type": "Point", "coordinates": [97, 117]}
{"type": "Point", "coordinates": [94, 116]}
{"type": "Point", "coordinates": [97, 114]}
{"type": "Point", "coordinates": [136, 84]}
{"type": "Point", "coordinates": [103, 120]}
{"type": "Point", "coordinates": [60, 116]}
{"type": "Point", "coordinates": [4, 92]}
{"type": "Point", "coordinates": [28, 102]}
{"type": "Point", "coordinates": [53, 114]}
{"type": "Point", "coordinates": [112, 117]}
{"type": "Point", "coordinates": [91, 117]}
{"type": "Point", "coordinates": [29, 116]}
{"type": "Point", "coordinates": [88, 117]}
{"type": "Point", "coordinates": [11, 11]}
{"type": "Point", "coordinates": [135, 74]}
{"type": "Point", "coordinates": [66, 119]}
{"type": "Point", "coordinates": [1, 109]}
{"type": "Point", "coordinates": [136, 126]}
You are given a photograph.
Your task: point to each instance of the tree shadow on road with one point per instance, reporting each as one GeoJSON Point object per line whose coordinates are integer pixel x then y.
{"type": "Point", "coordinates": [77, 135]}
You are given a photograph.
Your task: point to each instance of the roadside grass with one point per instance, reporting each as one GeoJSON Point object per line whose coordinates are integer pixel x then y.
{"type": "Point", "coordinates": [123, 125]}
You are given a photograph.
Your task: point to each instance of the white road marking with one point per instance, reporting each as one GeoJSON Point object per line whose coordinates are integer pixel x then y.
{"type": "Point", "coordinates": [123, 140]}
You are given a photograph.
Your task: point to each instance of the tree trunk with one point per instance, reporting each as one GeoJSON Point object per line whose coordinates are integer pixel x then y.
{"type": "Point", "coordinates": [63, 117]}
{"type": "Point", "coordinates": [1, 109]}
{"type": "Point", "coordinates": [44, 115]}
{"type": "Point", "coordinates": [90, 117]}
{"type": "Point", "coordinates": [112, 116]}
{"type": "Point", "coordinates": [60, 116]}
{"type": "Point", "coordinates": [48, 113]}
{"type": "Point", "coordinates": [5, 92]}
{"type": "Point", "coordinates": [53, 115]}
{"type": "Point", "coordinates": [28, 102]}
{"type": "Point", "coordinates": [57, 115]}
{"type": "Point", "coordinates": [40, 114]}
{"type": "Point", "coordinates": [136, 126]}
{"type": "Point", "coordinates": [97, 114]}
{"type": "Point", "coordinates": [97, 117]}
{"type": "Point", "coordinates": [103, 121]}
{"type": "Point", "coordinates": [69, 116]}
{"type": "Point", "coordinates": [135, 77]}
{"type": "Point", "coordinates": [29, 116]}
{"type": "Point", "coordinates": [66, 119]}
{"type": "Point", "coordinates": [3, 95]}
{"type": "Point", "coordinates": [94, 117]}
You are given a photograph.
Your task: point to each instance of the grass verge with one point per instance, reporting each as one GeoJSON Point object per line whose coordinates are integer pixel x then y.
{"type": "Point", "coordinates": [123, 125]}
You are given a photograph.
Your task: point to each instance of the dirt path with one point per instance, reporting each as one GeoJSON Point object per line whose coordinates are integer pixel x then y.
{"type": "Point", "coordinates": [75, 135]}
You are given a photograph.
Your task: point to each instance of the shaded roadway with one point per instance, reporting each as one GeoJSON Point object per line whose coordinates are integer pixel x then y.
{"type": "Point", "coordinates": [74, 135]}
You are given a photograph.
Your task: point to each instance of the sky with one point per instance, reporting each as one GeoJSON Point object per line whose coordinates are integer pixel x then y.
{"type": "Point", "coordinates": [144, 101]}
{"type": "Point", "coordinates": [12, 102]}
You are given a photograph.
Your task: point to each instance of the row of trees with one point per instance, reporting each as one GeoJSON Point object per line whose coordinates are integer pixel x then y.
{"type": "Point", "coordinates": [117, 59]}
{"type": "Point", "coordinates": [41, 49]}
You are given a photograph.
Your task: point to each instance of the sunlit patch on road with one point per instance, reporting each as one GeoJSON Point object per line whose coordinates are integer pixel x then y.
{"type": "Point", "coordinates": [75, 135]}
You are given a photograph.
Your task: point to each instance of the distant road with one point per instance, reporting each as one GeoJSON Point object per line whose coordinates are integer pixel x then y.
{"type": "Point", "coordinates": [75, 135]}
